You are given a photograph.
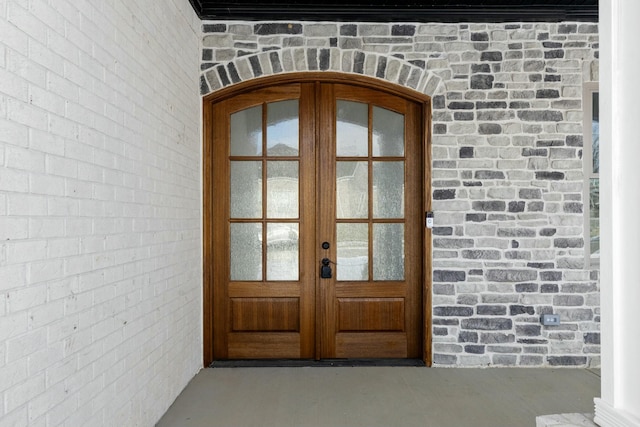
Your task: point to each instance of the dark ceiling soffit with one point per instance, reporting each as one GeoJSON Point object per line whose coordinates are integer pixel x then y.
{"type": "Point", "coordinates": [215, 10]}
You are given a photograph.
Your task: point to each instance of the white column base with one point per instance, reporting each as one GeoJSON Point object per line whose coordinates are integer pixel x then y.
{"type": "Point", "coordinates": [608, 416]}
{"type": "Point", "coordinates": [566, 420]}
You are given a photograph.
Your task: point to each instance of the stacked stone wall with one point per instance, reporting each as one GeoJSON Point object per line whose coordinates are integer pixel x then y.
{"type": "Point", "coordinates": [507, 169]}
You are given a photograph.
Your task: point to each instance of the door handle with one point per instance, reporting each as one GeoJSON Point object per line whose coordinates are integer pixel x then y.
{"type": "Point", "coordinates": [325, 269]}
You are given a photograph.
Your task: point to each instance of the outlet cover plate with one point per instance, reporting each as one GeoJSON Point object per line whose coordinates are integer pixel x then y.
{"type": "Point", "coordinates": [550, 319]}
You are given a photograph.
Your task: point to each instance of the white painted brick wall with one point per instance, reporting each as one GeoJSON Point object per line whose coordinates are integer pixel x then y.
{"type": "Point", "coordinates": [100, 267]}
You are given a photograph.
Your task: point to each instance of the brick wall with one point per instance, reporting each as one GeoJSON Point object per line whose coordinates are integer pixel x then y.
{"type": "Point", "coordinates": [506, 174]}
{"type": "Point", "coordinates": [100, 272]}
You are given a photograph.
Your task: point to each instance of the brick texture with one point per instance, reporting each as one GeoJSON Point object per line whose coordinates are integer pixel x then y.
{"type": "Point", "coordinates": [508, 245]}
{"type": "Point", "coordinates": [100, 274]}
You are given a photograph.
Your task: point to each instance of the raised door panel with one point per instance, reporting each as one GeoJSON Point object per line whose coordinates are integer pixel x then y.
{"type": "Point", "coordinates": [370, 314]}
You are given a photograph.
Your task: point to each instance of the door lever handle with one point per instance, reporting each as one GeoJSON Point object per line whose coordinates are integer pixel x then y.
{"type": "Point", "coordinates": [325, 269]}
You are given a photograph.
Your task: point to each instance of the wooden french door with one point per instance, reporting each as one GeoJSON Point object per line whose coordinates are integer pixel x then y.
{"type": "Point", "coordinates": [316, 224]}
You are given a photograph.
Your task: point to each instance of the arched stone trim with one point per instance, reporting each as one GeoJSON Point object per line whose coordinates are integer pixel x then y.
{"type": "Point", "coordinates": [388, 68]}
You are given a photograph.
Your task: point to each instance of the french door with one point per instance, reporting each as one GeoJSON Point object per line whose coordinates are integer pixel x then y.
{"type": "Point", "coordinates": [316, 209]}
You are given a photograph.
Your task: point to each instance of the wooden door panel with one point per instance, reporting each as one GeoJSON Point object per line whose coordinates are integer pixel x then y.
{"type": "Point", "coordinates": [265, 314]}
{"type": "Point", "coordinates": [275, 289]}
{"type": "Point", "coordinates": [259, 316]}
{"type": "Point", "coordinates": [373, 290]}
{"type": "Point", "coordinates": [257, 345]}
{"type": "Point", "coordinates": [268, 94]}
{"type": "Point", "coordinates": [367, 345]}
{"type": "Point", "coordinates": [370, 314]}
{"type": "Point", "coordinates": [371, 318]}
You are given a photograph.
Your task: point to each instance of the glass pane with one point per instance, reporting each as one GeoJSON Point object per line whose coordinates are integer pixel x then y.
{"type": "Point", "coordinates": [282, 128]}
{"type": "Point", "coordinates": [388, 251]}
{"type": "Point", "coordinates": [246, 189]}
{"type": "Point", "coordinates": [388, 189]}
{"type": "Point", "coordinates": [595, 132]}
{"type": "Point", "coordinates": [352, 181]}
{"type": "Point", "coordinates": [282, 189]}
{"type": "Point", "coordinates": [352, 129]}
{"type": "Point", "coordinates": [594, 217]}
{"type": "Point", "coordinates": [282, 252]}
{"type": "Point", "coordinates": [353, 251]}
{"type": "Point", "coordinates": [246, 251]}
{"type": "Point", "coordinates": [388, 132]}
{"type": "Point", "coordinates": [246, 132]}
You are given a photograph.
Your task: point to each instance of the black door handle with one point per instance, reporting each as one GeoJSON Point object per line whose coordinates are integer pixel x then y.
{"type": "Point", "coordinates": [325, 269]}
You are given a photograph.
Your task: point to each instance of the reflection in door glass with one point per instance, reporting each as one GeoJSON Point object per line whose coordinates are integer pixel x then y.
{"type": "Point", "coordinates": [388, 251]}
{"type": "Point", "coordinates": [282, 251]}
{"type": "Point", "coordinates": [352, 129]}
{"type": "Point", "coordinates": [282, 128]}
{"type": "Point", "coordinates": [246, 132]}
{"type": "Point", "coordinates": [246, 251]}
{"type": "Point", "coordinates": [388, 189]}
{"type": "Point", "coordinates": [282, 189]}
{"type": "Point", "coordinates": [246, 189]}
{"type": "Point", "coordinates": [388, 133]}
{"type": "Point", "coordinates": [353, 251]}
{"type": "Point", "coordinates": [352, 181]}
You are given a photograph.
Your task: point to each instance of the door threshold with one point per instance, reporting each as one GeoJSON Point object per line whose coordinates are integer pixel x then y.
{"type": "Point", "coordinates": [306, 363]}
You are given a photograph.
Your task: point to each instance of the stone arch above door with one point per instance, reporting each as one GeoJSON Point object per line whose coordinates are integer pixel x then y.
{"type": "Point", "coordinates": [294, 60]}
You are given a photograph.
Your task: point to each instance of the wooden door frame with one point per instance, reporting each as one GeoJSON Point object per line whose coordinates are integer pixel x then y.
{"type": "Point", "coordinates": [208, 198]}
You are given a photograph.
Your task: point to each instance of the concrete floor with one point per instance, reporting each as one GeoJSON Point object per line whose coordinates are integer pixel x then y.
{"type": "Point", "coordinates": [380, 396]}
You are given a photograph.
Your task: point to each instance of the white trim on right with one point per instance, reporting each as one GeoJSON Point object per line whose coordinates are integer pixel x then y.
{"type": "Point", "coordinates": [606, 415]}
{"type": "Point", "coordinates": [619, 207]}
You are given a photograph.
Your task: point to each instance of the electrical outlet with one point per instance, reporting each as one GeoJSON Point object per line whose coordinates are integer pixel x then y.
{"type": "Point", "coordinates": [550, 319]}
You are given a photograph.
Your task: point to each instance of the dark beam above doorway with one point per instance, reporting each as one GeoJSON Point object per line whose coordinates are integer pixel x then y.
{"type": "Point", "coordinates": [400, 10]}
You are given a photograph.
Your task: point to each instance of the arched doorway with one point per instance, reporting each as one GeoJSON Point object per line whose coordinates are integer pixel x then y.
{"type": "Point", "coordinates": [316, 187]}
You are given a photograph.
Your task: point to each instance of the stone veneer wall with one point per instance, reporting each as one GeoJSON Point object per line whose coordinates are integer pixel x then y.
{"type": "Point", "coordinates": [507, 175]}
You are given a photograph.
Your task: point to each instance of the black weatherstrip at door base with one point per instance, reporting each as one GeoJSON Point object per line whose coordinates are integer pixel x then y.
{"type": "Point", "coordinates": [325, 363]}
